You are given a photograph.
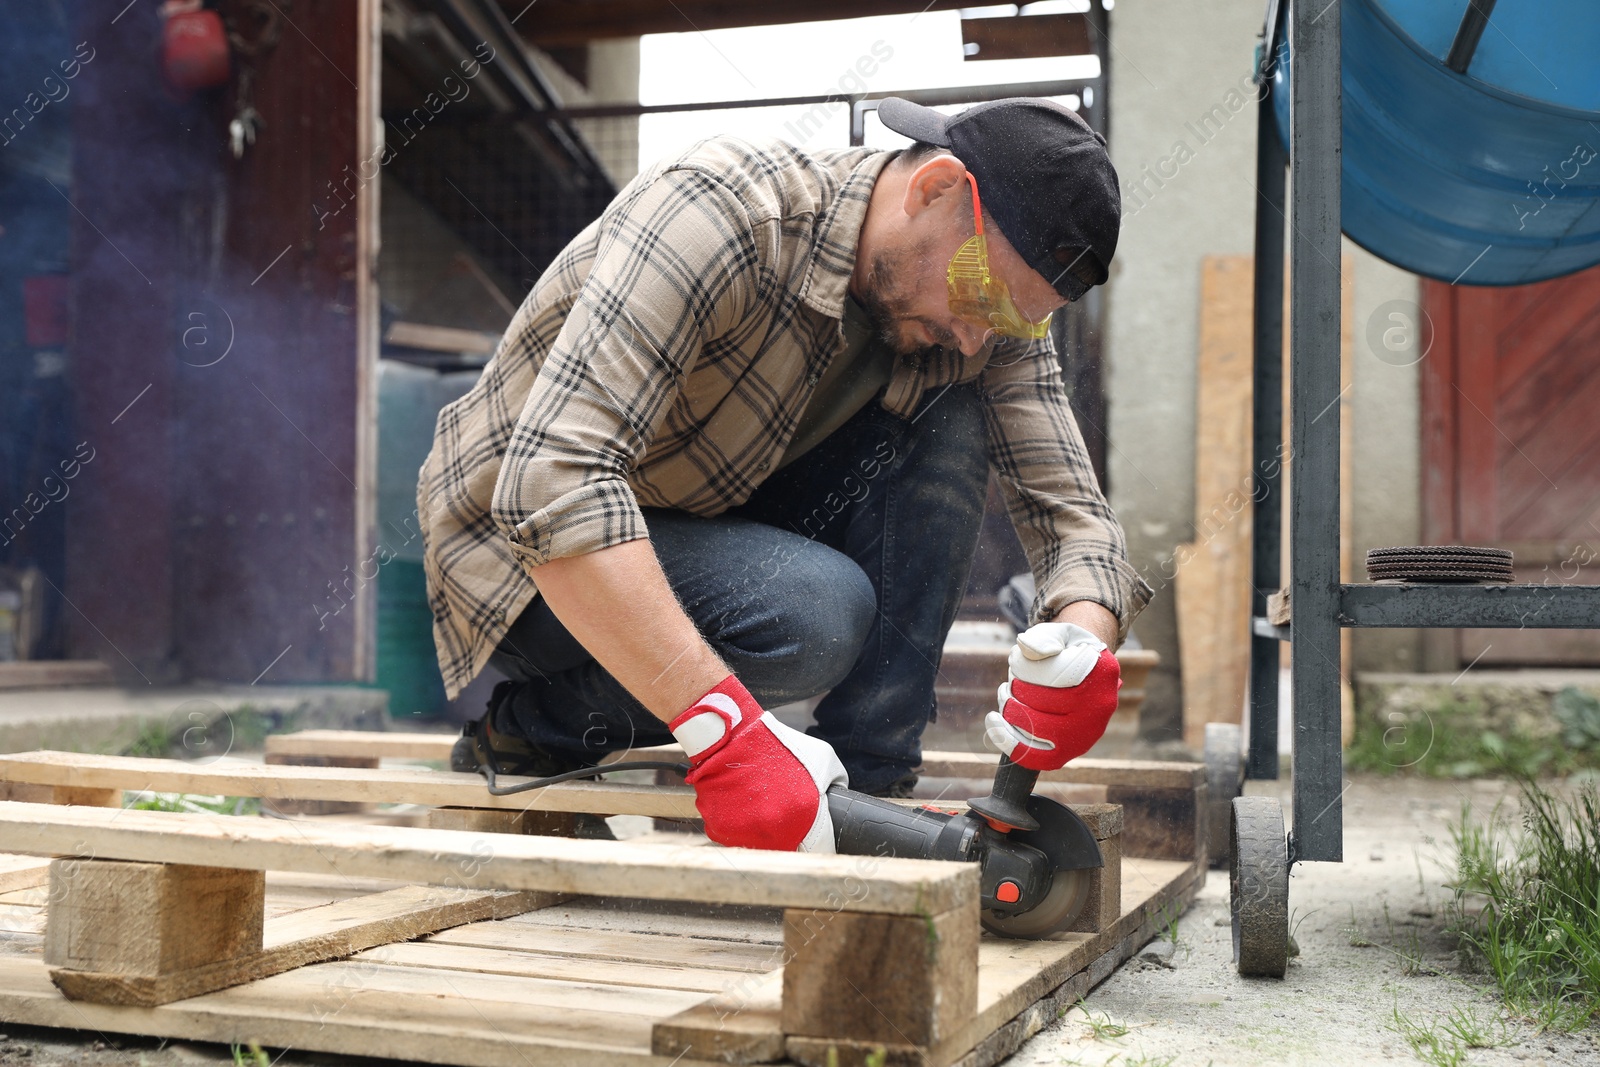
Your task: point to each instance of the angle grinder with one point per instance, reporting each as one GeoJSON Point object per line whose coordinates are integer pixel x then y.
{"type": "Point", "coordinates": [1034, 855]}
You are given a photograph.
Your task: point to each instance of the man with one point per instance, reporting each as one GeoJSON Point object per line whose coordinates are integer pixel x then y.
{"type": "Point", "coordinates": [732, 453]}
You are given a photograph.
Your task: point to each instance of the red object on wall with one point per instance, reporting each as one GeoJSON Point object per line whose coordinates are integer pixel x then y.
{"type": "Point", "coordinates": [44, 310]}
{"type": "Point", "coordinates": [194, 48]}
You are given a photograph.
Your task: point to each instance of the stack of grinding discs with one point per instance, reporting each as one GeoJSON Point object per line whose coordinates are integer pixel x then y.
{"type": "Point", "coordinates": [1439, 563]}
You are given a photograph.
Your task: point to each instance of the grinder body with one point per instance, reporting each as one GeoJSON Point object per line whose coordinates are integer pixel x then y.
{"type": "Point", "coordinates": [1032, 877]}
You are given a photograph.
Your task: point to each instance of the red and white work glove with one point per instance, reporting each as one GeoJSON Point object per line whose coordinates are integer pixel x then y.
{"type": "Point", "coordinates": [757, 783]}
{"type": "Point", "coordinates": [1061, 693]}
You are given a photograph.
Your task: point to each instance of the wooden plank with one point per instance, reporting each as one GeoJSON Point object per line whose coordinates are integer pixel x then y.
{"type": "Point", "coordinates": [886, 978]}
{"type": "Point", "coordinates": [1154, 774]}
{"type": "Point", "coordinates": [1163, 823]}
{"type": "Point", "coordinates": [23, 872]}
{"type": "Point", "coordinates": [149, 920]}
{"type": "Point", "coordinates": [742, 1025]}
{"type": "Point", "coordinates": [501, 861]}
{"type": "Point", "coordinates": [683, 977]}
{"type": "Point", "coordinates": [312, 935]}
{"type": "Point", "coordinates": [85, 773]}
{"type": "Point", "coordinates": [1213, 580]}
{"type": "Point", "coordinates": [499, 821]}
{"type": "Point", "coordinates": [396, 785]}
{"type": "Point", "coordinates": [60, 794]}
{"type": "Point", "coordinates": [935, 764]}
{"type": "Point", "coordinates": [609, 946]}
{"type": "Point", "coordinates": [54, 673]}
{"type": "Point", "coordinates": [381, 744]}
{"type": "Point", "coordinates": [441, 338]}
{"type": "Point", "coordinates": [331, 1007]}
{"type": "Point", "coordinates": [413, 746]}
{"type": "Point", "coordinates": [318, 807]}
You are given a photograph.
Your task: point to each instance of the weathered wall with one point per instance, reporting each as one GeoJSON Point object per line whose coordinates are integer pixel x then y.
{"type": "Point", "coordinates": [1183, 140]}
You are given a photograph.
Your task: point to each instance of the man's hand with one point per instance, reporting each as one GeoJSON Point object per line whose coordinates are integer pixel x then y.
{"type": "Point", "coordinates": [1062, 691]}
{"type": "Point", "coordinates": [757, 783]}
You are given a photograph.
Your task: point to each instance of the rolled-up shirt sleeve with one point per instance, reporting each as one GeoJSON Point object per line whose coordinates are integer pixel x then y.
{"type": "Point", "coordinates": [1074, 543]}
{"type": "Point", "coordinates": [675, 267]}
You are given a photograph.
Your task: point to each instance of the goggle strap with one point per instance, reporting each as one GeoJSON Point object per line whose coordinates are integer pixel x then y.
{"type": "Point", "coordinates": [977, 206]}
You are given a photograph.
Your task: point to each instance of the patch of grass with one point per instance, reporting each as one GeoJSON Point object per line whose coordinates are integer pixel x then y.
{"type": "Point", "coordinates": [1430, 1045]}
{"type": "Point", "coordinates": [1406, 946]}
{"type": "Point", "coordinates": [185, 802]}
{"type": "Point", "coordinates": [152, 742]}
{"type": "Point", "coordinates": [1473, 1030]}
{"type": "Point", "coordinates": [1168, 916]}
{"type": "Point", "coordinates": [1142, 1060]}
{"type": "Point", "coordinates": [1353, 932]}
{"type": "Point", "coordinates": [1431, 746]}
{"type": "Point", "coordinates": [1101, 1028]}
{"type": "Point", "coordinates": [1527, 904]}
{"type": "Point", "coordinates": [251, 1055]}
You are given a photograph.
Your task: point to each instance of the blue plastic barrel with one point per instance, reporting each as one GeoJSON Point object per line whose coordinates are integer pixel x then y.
{"type": "Point", "coordinates": [1490, 177]}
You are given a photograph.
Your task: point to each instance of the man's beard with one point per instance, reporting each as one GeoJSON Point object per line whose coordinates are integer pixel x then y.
{"type": "Point", "coordinates": [888, 304]}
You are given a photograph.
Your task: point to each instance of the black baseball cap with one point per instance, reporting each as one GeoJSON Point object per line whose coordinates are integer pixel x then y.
{"type": "Point", "coordinates": [1043, 174]}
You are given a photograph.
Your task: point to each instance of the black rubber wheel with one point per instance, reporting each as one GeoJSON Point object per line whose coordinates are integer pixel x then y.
{"type": "Point", "coordinates": [1259, 886]}
{"type": "Point", "coordinates": [1224, 779]}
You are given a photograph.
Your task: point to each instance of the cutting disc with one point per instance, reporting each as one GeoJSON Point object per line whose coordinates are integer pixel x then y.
{"type": "Point", "coordinates": [1065, 839]}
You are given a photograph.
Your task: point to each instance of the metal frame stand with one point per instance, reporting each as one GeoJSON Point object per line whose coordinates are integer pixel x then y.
{"type": "Point", "coordinates": [1321, 606]}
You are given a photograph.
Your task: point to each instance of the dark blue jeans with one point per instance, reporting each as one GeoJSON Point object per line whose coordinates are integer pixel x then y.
{"type": "Point", "coordinates": [842, 574]}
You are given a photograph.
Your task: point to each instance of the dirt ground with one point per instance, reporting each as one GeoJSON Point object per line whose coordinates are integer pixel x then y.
{"type": "Point", "coordinates": [1371, 944]}
{"type": "Point", "coordinates": [1370, 933]}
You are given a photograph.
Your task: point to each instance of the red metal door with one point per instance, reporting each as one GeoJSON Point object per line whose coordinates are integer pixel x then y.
{"type": "Point", "coordinates": [1511, 443]}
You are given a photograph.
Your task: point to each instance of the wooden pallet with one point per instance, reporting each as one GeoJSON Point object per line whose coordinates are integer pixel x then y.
{"type": "Point", "coordinates": [165, 924]}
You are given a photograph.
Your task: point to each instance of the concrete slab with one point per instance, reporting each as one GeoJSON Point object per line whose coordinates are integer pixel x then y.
{"type": "Point", "coordinates": [196, 722]}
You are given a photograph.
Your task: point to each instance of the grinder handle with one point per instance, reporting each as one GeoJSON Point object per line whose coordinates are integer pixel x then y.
{"type": "Point", "coordinates": [1007, 802]}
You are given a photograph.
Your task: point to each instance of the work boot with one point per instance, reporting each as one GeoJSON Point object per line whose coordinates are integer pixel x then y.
{"type": "Point", "coordinates": [899, 789]}
{"type": "Point", "coordinates": [494, 737]}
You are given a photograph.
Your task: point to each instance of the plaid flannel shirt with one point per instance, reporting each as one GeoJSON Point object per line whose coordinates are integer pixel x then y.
{"type": "Point", "coordinates": [664, 359]}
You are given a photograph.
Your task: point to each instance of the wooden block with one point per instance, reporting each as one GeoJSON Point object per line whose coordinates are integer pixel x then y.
{"type": "Point", "coordinates": [61, 794]}
{"type": "Point", "coordinates": [311, 935]}
{"type": "Point", "coordinates": [892, 978]}
{"type": "Point", "coordinates": [1278, 610]}
{"type": "Point", "coordinates": [54, 673]}
{"type": "Point", "coordinates": [150, 919]}
{"type": "Point", "coordinates": [743, 1024]}
{"type": "Point", "coordinates": [1103, 820]}
{"type": "Point", "coordinates": [499, 821]}
{"type": "Point", "coordinates": [1162, 823]}
{"type": "Point", "coordinates": [1105, 891]}
{"type": "Point", "coordinates": [318, 807]}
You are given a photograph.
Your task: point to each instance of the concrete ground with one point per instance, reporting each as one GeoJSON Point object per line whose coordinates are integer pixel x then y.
{"type": "Point", "coordinates": [1370, 933]}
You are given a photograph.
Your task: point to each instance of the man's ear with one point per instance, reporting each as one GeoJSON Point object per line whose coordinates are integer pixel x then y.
{"type": "Point", "coordinates": [935, 178]}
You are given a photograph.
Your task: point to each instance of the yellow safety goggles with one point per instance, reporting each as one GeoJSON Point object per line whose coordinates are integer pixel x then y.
{"type": "Point", "coordinates": [979, 298]}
